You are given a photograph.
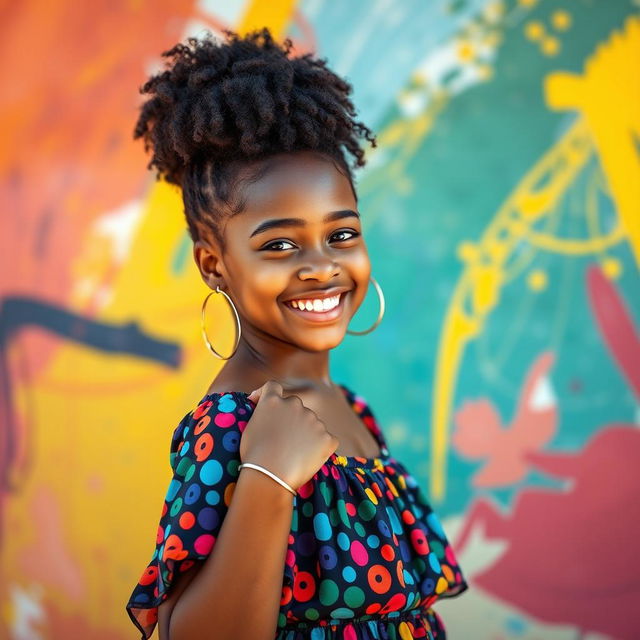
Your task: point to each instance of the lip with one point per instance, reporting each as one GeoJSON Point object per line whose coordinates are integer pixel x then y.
{"type": "Point", "coordinates": [318, 293]}
{"type": "Point", "coordinates": [320, 316]}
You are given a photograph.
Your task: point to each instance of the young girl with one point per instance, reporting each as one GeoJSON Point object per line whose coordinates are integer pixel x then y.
{"type": "Point", "coordinates": [287, 517]}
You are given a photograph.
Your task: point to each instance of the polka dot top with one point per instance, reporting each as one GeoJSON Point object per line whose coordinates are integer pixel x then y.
{"type": "Point", "coordinates": [367, 556]}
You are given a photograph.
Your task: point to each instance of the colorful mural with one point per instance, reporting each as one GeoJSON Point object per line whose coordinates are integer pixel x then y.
{"type": "Point", "coordinates": [502, 214]}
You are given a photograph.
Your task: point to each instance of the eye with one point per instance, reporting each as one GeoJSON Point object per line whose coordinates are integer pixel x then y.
{"type": "Point", "coordinates": [271, 245]}
{"type": "Point", "coordinates": [268, 247]}
{"type": "Point", "coordinates": [354, 234]}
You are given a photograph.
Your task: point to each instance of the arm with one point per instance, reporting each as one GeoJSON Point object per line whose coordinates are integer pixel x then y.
{"type": "Point", "coordinates": [235, 594]}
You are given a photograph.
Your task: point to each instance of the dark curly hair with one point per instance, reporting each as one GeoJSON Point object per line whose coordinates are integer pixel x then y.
{"type": "Point", "coordinates": [220, 106]}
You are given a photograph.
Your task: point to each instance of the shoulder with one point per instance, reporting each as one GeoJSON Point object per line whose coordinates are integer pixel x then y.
{"type": "Point", "coordinates": [213, 427]}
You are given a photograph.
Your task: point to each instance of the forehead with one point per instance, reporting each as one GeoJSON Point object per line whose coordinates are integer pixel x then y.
{"type": "Point", "coordinates": [300, 182]}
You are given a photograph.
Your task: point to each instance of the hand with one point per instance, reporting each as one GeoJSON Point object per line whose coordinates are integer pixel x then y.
{"type": "Point", "coordinates": [284, 436]}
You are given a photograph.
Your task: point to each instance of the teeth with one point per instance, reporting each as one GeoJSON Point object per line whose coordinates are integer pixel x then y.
{"type": "Point", "coordinates": [318, 305]}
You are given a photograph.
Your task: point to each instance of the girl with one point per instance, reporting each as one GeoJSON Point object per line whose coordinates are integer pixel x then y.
{"type": "Point", "coordinates": [287, 516]}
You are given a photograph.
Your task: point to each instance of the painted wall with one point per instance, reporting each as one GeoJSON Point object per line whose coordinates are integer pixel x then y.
{"type": "Point", "coordinates": [502, 215]}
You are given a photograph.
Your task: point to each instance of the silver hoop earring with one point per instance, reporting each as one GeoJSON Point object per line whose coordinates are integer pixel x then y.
{"type": "Point", "coordinates": [238, 329]}
{"type": "Point", "coordinates": [380, 313]}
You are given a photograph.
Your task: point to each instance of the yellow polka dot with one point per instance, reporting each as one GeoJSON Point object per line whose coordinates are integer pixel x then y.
{"type": "Point", "coordinates": [441, 585]}
{"type": "Point", "coordinates": [561, 20]}
{"type": "Point", "coordinates": [550, 46]}
{"type": "Point", "coordinates": [404, 631]}
{"type": "Point", "coordinates": [534, 30]}
{"type": "Point", "coordinates": [527, 3]}
{"type": "Point", "coordinates": [372, 496]}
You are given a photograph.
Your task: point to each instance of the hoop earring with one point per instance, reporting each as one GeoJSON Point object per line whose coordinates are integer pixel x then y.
{"type": "Point", "coordinates": [380, 313]}
{"type": "Point", "coordinates": [238, 329]}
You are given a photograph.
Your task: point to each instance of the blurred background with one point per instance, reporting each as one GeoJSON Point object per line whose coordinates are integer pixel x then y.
{"type": "Point", "coordinates": [502, 215]}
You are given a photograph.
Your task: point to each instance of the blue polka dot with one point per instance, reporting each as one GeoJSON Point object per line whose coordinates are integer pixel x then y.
{"type": "Point", "coordinates": [167, 531]}
{"type": "Point", "coordinates": [212, 497]}
{"type": "Point", "coordinates": [208, 519]}
{"type": "Point", "coordinates": [174, 485]}
{"type": "Point", "coordinates": [184, 448]}
{"type": "Point", "coordinates": [322, 526]}
{"type": "Point", "coordinates": [193, 493]}
{"type": "Point", "coordinates": [343, 541]}
{"type": "Point", "coordinates": [328, 557]}
{"type": "Point", "coordinates": [349, 574]}
{"type": "Point", "coordinates": [373, 541]}
{"type": "Point", "coordinates": [211, 472]}
{"type": "Point", "coordinates": [434, 562]}
{"type": "Point", "coordinates": [231, 441]}
{"type": "Point", "coordinates": [226, 403]}
{"type": "Point", "coordinates": [395, 523]}
{"type": "Point", "coordinates": [434, 523]}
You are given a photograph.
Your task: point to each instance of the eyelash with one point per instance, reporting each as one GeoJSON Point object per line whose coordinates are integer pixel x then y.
{"type": "Point", "coordinates": [354, 234]}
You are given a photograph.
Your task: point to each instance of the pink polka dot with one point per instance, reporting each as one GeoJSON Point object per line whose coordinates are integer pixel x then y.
{"type": "Point", "coordinates": [224, 419]}
{"type": "Point", "coordinates": [306, 490]}
{"type": "Point", "coordinates": [290, 558]}
{"type": "Point", "coordinates": [241, 425]}
{"type": "Point", "coordinates": [203, 544]}
{"type": "Point", "coordinates": [359, 553]}
{"type": "Point", "coordinates": [349, 633]}
{"type": "Point", "coordinates": [449, 555]}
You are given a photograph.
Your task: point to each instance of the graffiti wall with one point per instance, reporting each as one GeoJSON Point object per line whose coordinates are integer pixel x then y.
{"type": "Point", "coordinates": [501, 210]}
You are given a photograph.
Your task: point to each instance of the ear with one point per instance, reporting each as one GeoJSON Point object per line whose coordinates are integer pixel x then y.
{"type": "Point", "coordinates": [209, 263]}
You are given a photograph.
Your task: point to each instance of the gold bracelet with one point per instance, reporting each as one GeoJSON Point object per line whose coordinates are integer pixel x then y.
{"type": "Point", "coordinates": [271, 475]}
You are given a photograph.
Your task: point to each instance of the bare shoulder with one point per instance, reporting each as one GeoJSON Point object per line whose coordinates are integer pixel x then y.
{"type": "Point", "coordinates": [165, 609]}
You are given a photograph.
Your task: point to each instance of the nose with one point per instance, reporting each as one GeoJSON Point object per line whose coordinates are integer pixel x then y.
{"type": "Point", "coordinates": [319, 266]}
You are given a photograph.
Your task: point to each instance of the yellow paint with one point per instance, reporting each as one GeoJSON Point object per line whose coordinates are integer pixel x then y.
{"type": "Point", "coordinates": [534, 30]}
{"type": "Point", "coordinates": [602, 129]}
{"type": "Point", "coordinates": [561, 20]}
{"type": "Point", "coordinates": [550, 46]}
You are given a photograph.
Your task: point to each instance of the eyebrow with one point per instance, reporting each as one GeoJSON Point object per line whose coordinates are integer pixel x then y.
{"type": "Point", "coordinates": [299, 222]}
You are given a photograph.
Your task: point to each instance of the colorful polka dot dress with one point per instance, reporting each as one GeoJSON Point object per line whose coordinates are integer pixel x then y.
{"type": "Point", "coordinates": [367, 556]}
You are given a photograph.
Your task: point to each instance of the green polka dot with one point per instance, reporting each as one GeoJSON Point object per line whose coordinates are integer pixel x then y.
{"type": "Point", "coordinates": [419, 565]}
{"type": "Point", "coordinates": [342, 511]}
{"type": "Point", "coordinates": [282, 620]}
{"type": "Point", "coordinates": [353, 597]}
{"type": "Point", "coordinates": [294, 520]}
{"type": "Point", "coordinates": [366, 510]}
{"type": "Point", "coordinates": [436, 547]}
{"type": "Point", "coordinates": [334, 518]}
{"type": "Point", "coordinates": [190, 471]}
{"type": "Point", "coordinates": [307, 509]}
{"type": "Point", "coordinates": [341, 613]}
{"type": "Point", "coordinates": [312, 614]}
{"type": "Point", "coordinates": [328, 592]}
{"type": "Point", "coordinates": [326, 491]}
{"type": "Point", "coordinates": [232, 467]}
{"type": "Point", "coordinates": [360, 530]}
{"type": "Point", "coordinates": [183, 465]}
{"type": "Point", "coordinates": [175, 508]}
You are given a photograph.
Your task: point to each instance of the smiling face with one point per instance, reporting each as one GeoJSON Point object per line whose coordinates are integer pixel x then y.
{"type": "Point", "coordinates": [299, 237]}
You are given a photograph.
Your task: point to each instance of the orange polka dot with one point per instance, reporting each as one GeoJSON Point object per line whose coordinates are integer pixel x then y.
{"type": "Point", "coordinates": [187, 520]}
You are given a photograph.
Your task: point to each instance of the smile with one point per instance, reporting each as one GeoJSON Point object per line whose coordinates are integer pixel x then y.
{"type": "Point", "coordinates": [318, 310]}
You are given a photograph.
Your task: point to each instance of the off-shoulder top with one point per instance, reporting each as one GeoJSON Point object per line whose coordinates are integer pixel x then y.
{"type": "Point", "coordinates": [367, 556]}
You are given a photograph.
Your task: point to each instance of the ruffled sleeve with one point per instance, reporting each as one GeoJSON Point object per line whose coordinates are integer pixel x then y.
{"type": "Point", "coordinates": [204, 457]}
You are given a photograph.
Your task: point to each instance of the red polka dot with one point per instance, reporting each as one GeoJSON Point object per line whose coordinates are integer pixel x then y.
{"type": "Point", "coordinates": [187, 520]}
{"type": "Point", "coordinates": [387, 552]}
{"type": "Point", "coordinates": [379, 578]}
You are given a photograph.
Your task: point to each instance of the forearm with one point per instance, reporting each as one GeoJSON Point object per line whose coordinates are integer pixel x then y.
{"type": "Point", "coordinates": [236, 594]}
